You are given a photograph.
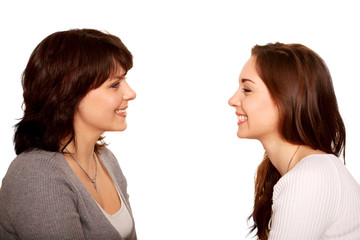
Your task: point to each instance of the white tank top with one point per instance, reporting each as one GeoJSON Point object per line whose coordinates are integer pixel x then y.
{"type": "Point", "coordinates": [121, 220]}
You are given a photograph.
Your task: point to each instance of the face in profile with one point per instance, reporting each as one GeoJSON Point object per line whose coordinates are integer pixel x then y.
{"type": "Point", "coordinates": [104, 108]}
{"type": "Point", "coordinates": [257, 113]}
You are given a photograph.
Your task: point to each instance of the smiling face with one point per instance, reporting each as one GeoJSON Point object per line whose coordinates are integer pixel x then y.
{"type": "Point", "coordinates": [104, 108]}
{"type": "Point", "coordinates": [257, 113]}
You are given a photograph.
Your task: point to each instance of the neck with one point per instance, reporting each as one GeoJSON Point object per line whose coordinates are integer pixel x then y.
{"type": "Point", "coordinates": [280, 152]}
{"type": "Point", "coordinates": [85, 140]}
{"type": "Point", "coordinates": [82, 149]}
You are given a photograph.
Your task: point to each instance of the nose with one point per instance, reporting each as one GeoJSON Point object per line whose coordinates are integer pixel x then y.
{"type": "Point", "coordinates": [235, 100]}
{"type": "Point", "coordinates": [129, 93]}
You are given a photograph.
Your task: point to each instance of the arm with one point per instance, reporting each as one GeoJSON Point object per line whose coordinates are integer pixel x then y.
{"type": "Point", "coordinates": [307, 203]}
{"type": "Point", "coordinates": [39, 202]}
{"type": "Point", "coordinates": [4, 233]}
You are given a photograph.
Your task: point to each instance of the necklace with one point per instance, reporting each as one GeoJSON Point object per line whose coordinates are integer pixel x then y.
{"type": "Point", "coordinates": [292, 158]}
{"type": "Point", "coordinates": [93, 180]}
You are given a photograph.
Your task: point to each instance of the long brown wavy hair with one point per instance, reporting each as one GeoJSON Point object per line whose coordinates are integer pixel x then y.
{"type": "Point", "coordinates": [301, 86]}
{"type": "Point", "coordinates": [61, 70]}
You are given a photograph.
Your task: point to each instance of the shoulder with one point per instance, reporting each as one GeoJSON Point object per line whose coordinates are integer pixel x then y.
{"type": "Point", "coordinates": [311, 186]}
{"type": "Point", "coordinates": [34, 177]}
{"type": "Point", "coordinates": [107, 154]}
{"type": "Point", "coordinates": [112, 166]}
{"type": "Point", "coordinates": [108, 159]}
{"type": "Point", "coordinates": [321, 161]}
{"type": "Point", "coordinates": [315, 167]}
{"type": "Point", "coordinates": [33, 155]}
{"type": "Point", "coordinates": [34, 172]}
{"type": "Point", "coordinates": [37, 192]}
{"type": "Point", "coordinates": [34, 162]}
{"type": "Point", "coordinates": [35, 165]}
{"type": "Point", "coordinates": [111, 163]}
{"type": "Point", "coordinates": [322, 170]}
{"type": "Point", "coordinates": [313, 175]}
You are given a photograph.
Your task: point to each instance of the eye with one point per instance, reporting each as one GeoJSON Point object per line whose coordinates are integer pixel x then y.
{"type": "Point", "coordinates": [246, 90]}
{"type": "Point", "coordinates": [115, 85]}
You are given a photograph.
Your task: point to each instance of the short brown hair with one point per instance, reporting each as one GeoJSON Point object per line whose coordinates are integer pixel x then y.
{"type": "Point", "coordinates": [61, 70]}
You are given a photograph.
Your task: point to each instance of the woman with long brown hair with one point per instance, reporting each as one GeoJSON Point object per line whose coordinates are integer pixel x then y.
{"type": "Point", "coordinates": [303, 190]}
{"type": "Point", "coordinates": [64, 182]}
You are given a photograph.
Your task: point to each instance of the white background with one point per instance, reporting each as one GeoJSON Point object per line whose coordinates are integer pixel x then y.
{"type": "Point", "coordinates": [189, 176]}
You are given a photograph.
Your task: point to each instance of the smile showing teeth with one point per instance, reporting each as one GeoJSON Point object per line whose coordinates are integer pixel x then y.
{"type": "Point", "coordinates": [242, 118]}
{"type": "Point", "coordinates": [120, 111]}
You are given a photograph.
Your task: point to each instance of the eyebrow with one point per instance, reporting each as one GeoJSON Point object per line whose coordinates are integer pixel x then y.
{"type": "Point", "coordinates": [243, 80]}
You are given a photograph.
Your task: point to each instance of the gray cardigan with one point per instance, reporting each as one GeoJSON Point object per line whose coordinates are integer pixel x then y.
{"type": "Point", "coordinates": [42, 198]}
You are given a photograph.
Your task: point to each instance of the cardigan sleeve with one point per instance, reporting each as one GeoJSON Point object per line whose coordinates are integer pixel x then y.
{"type": "Point", "coordinates": [37, 202]}
{"type": "Point", "coordinates": [305, 202]}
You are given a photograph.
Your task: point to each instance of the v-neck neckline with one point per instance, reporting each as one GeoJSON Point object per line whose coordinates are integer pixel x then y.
{"type": "Point", "coordinates": [108, 169]}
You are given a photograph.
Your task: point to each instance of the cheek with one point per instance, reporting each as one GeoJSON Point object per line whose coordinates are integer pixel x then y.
{"type": "Point", "coordinates": [263, 111]}
{"type": "Point", "coordinates": [251, 107]}
{"type": "Point", "coordinates": [95, 106]}
{"type": "Point", "coordinates": [105, 102]}
{"type": "Point", "coordinates": [270, 115]}
{"type": "Point", "coordinates": [115, 100]}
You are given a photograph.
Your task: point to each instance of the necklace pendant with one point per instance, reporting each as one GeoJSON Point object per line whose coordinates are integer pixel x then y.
{"type": "Point", "coordinates": [95, 185]}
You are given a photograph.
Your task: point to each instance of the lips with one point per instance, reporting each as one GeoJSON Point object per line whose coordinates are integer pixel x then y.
{"type": "Point", "coordinates": [242, 118]}
{"type": "Point", "coordinates": [121, 112]}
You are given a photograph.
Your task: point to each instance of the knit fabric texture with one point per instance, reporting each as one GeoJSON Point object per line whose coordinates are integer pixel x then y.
{"type": "Point", "coordinates": [317, 199]}
{"type": "Point", "coordinates": [42, 198]}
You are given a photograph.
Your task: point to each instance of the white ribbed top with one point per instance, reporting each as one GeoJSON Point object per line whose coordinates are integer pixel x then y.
{"type": "Point", "coordinates": [317, 199]}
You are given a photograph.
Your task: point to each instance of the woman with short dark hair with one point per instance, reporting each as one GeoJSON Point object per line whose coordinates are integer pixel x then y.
{"type": "Point", "coordinates": [65, 183]}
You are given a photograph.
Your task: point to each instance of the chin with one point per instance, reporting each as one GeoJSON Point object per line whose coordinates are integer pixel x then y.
{"type": "Point", "coordinates": [118, 128]}
{"type": "Point", "coordinates": [244, 135]}
{"type": "Point", "coordinates": [121, 129]}
{"type": "Point", "coordinates": [240, 135]}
